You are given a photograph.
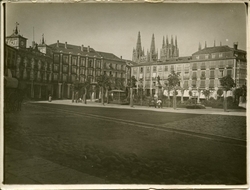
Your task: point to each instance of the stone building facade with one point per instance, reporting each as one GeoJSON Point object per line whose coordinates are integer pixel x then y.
{"type": "Point", "coordinates": [52, 69]}
{"type": "Point", "coordinates": [200, 71]}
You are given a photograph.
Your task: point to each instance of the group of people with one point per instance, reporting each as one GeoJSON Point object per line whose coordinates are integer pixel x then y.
{"type": "Point", "coordinates": [157, 101]}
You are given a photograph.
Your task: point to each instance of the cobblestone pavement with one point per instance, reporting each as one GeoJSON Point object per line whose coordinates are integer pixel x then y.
{"type": "Point", "coordinates": [99, 150]}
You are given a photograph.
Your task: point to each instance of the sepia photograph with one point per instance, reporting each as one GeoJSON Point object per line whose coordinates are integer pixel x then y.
{"type": "Point", "coordinates": [125, 93]}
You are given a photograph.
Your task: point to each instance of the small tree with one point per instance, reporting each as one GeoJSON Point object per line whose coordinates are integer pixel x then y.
{"type": "Point", "coordinates": [206, 93]}
{"type": "Point", "coordinates": [104, 82]}
{"type": "Point", "coordinates": [227, 83]}
{"type": "Point", "coordinates": [173, 81]}
{"type": "Point", "coordinates": [219, 92]}
{"type": "Point", "coordinates": [182, 94]}
{"type": "Point", "coordinates": [190, 93]}
{"type": "Point", "coordinates": [131, 85]}
{"type": "Point", "coordinates": [86, 86]}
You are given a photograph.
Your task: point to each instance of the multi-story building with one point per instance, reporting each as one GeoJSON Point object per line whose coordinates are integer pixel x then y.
{"type": "Point", "coordinates": [201, 71]}
{"type": "Point", "coordinates": [52, 69]}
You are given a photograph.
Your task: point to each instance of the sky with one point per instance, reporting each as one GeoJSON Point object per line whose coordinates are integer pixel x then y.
{"type": "Point", "coordinates": [112, 27]}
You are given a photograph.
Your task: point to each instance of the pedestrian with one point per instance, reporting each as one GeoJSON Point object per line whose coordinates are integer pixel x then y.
{"type": "Point", "coordinates": [159, 103]}
{"type": "Point", "coordinates": [155, 99]}
{"type": "Point", "coordinates": [50, 98]}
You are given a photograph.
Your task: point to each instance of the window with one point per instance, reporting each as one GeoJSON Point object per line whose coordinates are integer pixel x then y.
{"type": "Point", "coordinates": [221, 73]}
{"type": "Point", "coordinates": [221, 65]}
{"type": "Point", "coordinates": [212, 65]}
{"type": "Point", "coordinates": [73, 69]}
{"type": "Point", "coordinates": [90, 71]}
{"type": "Point", "coordinates": [179, 68]}
{"type": "Point", "coordinates": [73, 78]}
{"type": "Point", "coordinates": [55, 77]}
{"type": "Point", "coordinates": [220, 54]}
{"type": "Point", "coordinates": [74, 60]}
{"type": "Point", "coordinates": [147, 76]}
{"type": "Point", "coordinates": [213, 55]}
{"type": "Point", "coordinates": [185, 84]}
{"type": "Point", "coordinates": [186, 68]}
{"type": "Point", "coordinates": [82, 71]}
{"type": "Point", "coordinates": [202, 84]}
{"type": "Point", "coordinates": [82, 79]}
{"type": "Point", "coordinates": [65, 59]}
{"type": "Point", "coordinates": [90, 63]}
{"type": "Point", "coordinates": [230, 72]}
{"type": "Point", "coordinates": [203, 75]}
{"type": "Point", "coordinates": [64, 78]}
{"type": "Point", "coordinates": [141, 70]}
{"type": "Point", "coordinates": [230, 63]}
{"type": "Point", "coordinates": [206, 56]}
{"type": "Point", "coordinates": [160, 68]}
{"type": "Point", "coordinates": [172, 67]}
{"type": "Point", "coordinates": [194, 83]}
{"type": "Point", "coordinates": [56, 58]}
{"type": "Point", "coordinates": [194, 75]}
{"type": "Point", "coordinates": [194, 66]}
{"type": "Point", "coordinates": [211, 74]}
{"type": "Point", "coordinates": [98, 64]}
{"type": "Point", "coordinates": [148, 70]}
{"type": "Point", "coordinates": [154, 68]}
{"type": "Point", "coordinates": [65, 68]}
{"type": "Point", "coordinates": [166, 68]}
{"type": "Point", "coordinates": [83, 62]}
{"type": "Point", "coordinates": [211, 84]}
{"type": "Point", "coordinates": [56, 68]}
{"type": "Point", "coordinates": [197, 57]}
{"type": "Point", "coordinates": [186, 75]}
{"type": "Point", "coordinates": [203, 66]}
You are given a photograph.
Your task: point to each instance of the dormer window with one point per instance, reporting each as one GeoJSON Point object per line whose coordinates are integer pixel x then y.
{"type": "Point", "coordinates": [220, 54]}
{"type": "Point", "coordinates": [206, 56]}
{"type": "Point", "coordinates": [197, 57]}
{"type": "Point", "coordinates": [213, 55]}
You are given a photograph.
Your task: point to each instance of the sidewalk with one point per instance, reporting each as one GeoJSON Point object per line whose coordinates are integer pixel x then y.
{"type": "Point", "coordinates": [239, 112]}
{"type": "Point", "coordinates": [21, 168]}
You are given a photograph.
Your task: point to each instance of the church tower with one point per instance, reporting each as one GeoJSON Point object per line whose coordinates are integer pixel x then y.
{"type": "Point", "coordinates": [137, 52]}
{"type": "Point", "coordinates": [153, 55]}
{"type": "Point", "coordinates": [169, 50]}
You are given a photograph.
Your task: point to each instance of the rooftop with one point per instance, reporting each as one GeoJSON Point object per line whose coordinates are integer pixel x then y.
{"type": "Point", "coordinates": [217, 49]}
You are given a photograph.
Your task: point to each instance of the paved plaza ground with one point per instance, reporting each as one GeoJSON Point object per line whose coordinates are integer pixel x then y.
{"type": "Point", "coordinates": [68, 143]}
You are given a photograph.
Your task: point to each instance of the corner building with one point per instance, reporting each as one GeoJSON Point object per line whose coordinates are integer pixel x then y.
{"type": "Point", "coordinates": [52, 69]}
{"type": "Point", "coordinates": [200, 71]}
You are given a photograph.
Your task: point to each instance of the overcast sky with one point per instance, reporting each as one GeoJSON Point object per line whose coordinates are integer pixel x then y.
{"type": "Point", "coordinates": [114, 27]}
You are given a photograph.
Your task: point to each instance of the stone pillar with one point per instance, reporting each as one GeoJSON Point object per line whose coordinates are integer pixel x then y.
{"type": "Point", "coordinates": [32, 90]}
{"type": "Point", "coordinates": [40, 92]}
{"type": "Point", "coordinates": [59, 90]}
{"type": "Point", "coordinates": [68, 91]}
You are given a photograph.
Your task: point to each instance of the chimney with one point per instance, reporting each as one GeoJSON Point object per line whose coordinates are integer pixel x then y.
{"type": "Point", "coordinates": [235, 45]}
{"type": "Point", "coordinates": [121, 57]}
{"type": "Point", "coordinates": [57, 44]}
{"type": "Point", "coordinates": [88, 49]}
{"type": "Point", "coordinates": [65, 45]}
{"type": "Point", "coordinates": [82, 47]}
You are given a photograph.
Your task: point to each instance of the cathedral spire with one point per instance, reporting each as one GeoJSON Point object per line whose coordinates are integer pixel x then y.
{"type": "Point", "coordinates": [138, 44]}
{"type": "Point", "coordinates": [163, 42]}
{"type": "Point", "coordinates": [152, 47]}
{"type": "Point", "coordinates": [167, 41]}
{"type": "Point", "coordinates": [176, 41]}
{"type": "Point", "coordinates": [43, 39]}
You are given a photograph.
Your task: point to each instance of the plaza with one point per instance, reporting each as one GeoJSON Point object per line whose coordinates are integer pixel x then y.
{"type": "Point", "coordinates": [84, 142]}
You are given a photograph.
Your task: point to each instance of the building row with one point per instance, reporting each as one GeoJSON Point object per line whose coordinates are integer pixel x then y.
{"type": "Point", "coordinates": [53, 69]}
{"type": "Point", "coordinates": [202, 70]}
